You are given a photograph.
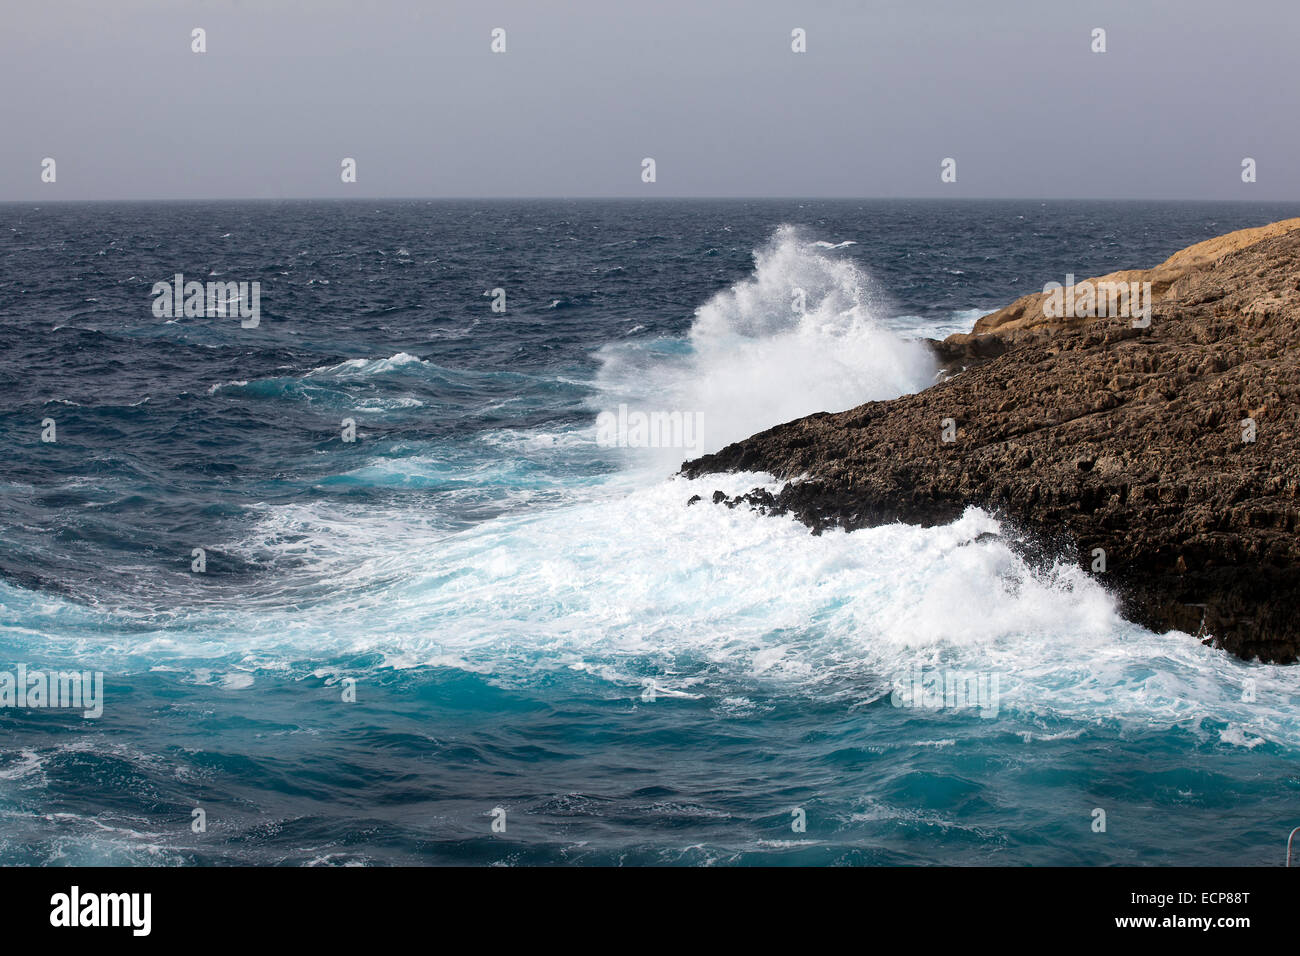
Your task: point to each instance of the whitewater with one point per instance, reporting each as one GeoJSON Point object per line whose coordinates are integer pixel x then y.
{"type": "Point", "coordinates": [495, 570]}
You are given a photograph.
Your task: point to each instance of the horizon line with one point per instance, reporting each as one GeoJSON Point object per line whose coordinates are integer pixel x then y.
{"type": "Point", "coordinates": [633, 198]}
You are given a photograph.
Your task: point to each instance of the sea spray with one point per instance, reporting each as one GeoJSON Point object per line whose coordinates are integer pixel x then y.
{"type": "Point", "coordinates": [801, 334]}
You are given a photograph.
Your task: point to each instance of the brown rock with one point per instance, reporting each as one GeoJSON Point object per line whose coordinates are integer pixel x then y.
{"type": "Point", "coordinates": [1027, 317]}
{"type": "Point", "coordinates": [1099, 435]}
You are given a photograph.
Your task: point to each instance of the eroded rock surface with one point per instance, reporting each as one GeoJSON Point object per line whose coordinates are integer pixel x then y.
{"type": "Point", "coordinates": [1099, 435]}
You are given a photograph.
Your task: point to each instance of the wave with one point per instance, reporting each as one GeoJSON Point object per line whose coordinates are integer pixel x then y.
{"type": "Point", "coordinates": [365, 368]}
{"type": "Point", "coordinates": [802, 334]}
{"type": "Point", "coordinates": [367, 384]}
{"type": "Point", "coordinates": [633, 586]}
{"type": "Point", "coordinates": [940, 327]}
{"type": "Point", "coordinates": [611, 578]}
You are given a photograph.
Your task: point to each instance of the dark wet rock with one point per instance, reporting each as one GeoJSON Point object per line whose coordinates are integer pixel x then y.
{"type": "Point", "coordinates": [1099, 437]}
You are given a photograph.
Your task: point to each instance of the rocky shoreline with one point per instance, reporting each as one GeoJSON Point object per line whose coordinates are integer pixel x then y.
{"type": "Point", "coordinates": [1165, 459]}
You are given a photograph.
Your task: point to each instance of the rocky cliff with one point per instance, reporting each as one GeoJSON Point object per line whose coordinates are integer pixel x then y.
{"type": "Point", "coordinates": [1172, 450]}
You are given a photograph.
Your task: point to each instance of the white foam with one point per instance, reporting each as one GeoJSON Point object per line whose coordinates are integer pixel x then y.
{"type": "Point", "coordinates": [618, 581]}
{"type": "Point", "coordinates": [360, 368]}
{"type": "Point", "coordinates": [715, 602]}
{"type": "Point", "coordinates": [753, 359]}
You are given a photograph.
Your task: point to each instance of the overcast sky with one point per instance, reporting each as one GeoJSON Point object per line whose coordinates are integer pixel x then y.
{"type": "Point", "coordinates": [709, 88]}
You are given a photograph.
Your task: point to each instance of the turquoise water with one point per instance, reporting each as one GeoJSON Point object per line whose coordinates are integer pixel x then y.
{"type": "Point", "coordinates": [475, 615]}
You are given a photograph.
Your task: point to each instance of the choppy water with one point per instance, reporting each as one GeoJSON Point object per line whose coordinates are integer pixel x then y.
{"type": "Point", "coordinates": [538, 623]}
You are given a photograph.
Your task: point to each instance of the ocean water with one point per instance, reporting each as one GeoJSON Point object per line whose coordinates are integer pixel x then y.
{"type": "Point", "coordinates": [554, 658]}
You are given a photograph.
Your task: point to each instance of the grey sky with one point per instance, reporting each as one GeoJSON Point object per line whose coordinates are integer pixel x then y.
{"type": "Point", "coordinates": [709, 88]}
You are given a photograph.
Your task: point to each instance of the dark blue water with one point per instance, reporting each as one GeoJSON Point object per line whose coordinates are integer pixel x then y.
{"type": "Point", "coordinates": [535, 622]}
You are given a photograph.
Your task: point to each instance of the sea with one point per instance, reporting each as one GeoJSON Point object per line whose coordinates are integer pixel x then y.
{"type": "Point", "coordinates": [364, 582]}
